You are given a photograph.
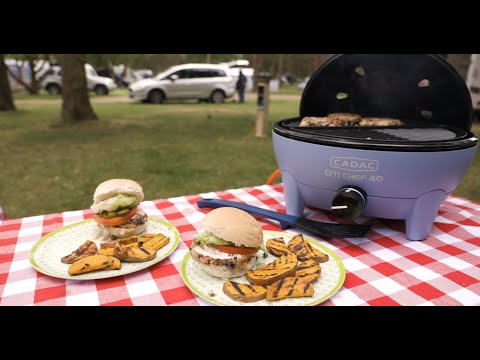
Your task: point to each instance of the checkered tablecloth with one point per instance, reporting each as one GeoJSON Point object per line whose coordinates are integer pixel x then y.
{"type": "Point", "coordinates": [382, 269]}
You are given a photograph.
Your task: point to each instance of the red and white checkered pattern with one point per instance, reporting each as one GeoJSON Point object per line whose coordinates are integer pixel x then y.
{"type": "Point", "coordinates": [382, 269]}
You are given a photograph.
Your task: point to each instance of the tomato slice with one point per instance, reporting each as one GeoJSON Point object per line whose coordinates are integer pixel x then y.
{"type": "Point", "coordinates": [115, 220]}
{"type": "Point", "coordinates": [235, 249]}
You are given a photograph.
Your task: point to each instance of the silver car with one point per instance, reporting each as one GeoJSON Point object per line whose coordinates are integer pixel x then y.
{"type": "Point", "coordinates": [189, 81]}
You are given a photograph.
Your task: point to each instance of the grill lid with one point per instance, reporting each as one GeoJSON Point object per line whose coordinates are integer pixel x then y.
{"type": "Point", "coordinates": [416, 88]}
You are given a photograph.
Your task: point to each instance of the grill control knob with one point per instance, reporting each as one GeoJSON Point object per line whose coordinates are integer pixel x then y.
{"type": "Point", "coordinates": [349, 202]}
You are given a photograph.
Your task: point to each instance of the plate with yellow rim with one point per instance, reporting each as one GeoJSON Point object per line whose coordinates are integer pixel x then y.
{"type": "Point", "coordinates": [45, 255]}
{"type": "Point", "coordinates": [210, 288]}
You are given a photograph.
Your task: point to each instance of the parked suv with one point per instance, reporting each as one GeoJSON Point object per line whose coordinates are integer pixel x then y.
{"type": "Point", "coordinates": [100, 84]}
{"type": "Point", "coordinates": [189, 81]}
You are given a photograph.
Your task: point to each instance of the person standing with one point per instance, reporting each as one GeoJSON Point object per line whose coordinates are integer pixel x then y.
{"type": "Point", "coordinates": [241, 84]}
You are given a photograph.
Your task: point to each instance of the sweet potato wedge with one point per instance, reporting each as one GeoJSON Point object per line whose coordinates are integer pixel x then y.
{"type": "Point", "coordinates": [139, 254]}
{"type": "Point", "coordinates": [145, 237]}
{"type": "Point", "coordinates": [308, 271]}
{"type": "Point", "coordinates": [290, 287]}
{"type": "Point", "coordinates": [106, 251]}
{"type": "Point", "coordinates": [94, 263]}
{"type": "Point", "coordinates": [284, 266]}
{"type": "Point", "coordinates": [300, 247]}
{"type": "Point", "coordinates": [120, 252]}
{"type": "Point", "coordinates": [124, 241]}
{"type": "Point", "coordinates": [244, 292]}
{"type": "Point", "coordinates": [277, 247]}
{"type": "Point", "coordinates": [318, 256]}
{"type": "Point", "coordinates": [88, 248]}
{"type": "Point", "coordinates": [157, 242]}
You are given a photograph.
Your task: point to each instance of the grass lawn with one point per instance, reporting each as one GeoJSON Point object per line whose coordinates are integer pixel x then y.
{"type": "Point", "coordinates": [291, 89]}
{"type": "Point", "coordinates": [171, 149]}
{"type": "Point", "coordinates": [43, 94]}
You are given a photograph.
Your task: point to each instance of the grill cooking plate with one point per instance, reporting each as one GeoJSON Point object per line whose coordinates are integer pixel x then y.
{"type": "Point", "coordinates": [413, 136]}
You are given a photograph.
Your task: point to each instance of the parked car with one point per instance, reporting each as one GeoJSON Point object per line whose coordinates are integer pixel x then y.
{"type": "Point", "coordinates": [100, 84]}
{"type": "Point", "coordinates": [189, 81]}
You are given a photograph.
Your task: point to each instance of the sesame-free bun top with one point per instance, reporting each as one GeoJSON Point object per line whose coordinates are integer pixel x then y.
{"type": "Point", "coordinates": [112, 187]}
{"type": "Point", "coordinates": [234, 225]}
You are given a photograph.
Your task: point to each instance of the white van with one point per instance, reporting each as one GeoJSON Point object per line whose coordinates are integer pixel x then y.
{"type": "Point", "coordinates": [100, 84]}
{"type": "Point", "coordinates": [473, 83]}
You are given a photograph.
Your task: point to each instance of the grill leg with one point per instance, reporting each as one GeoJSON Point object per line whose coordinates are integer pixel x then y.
{"type": "Point", "coordinates": [293, 198]}
{"type": "Point", "coordinates": [420, 221]}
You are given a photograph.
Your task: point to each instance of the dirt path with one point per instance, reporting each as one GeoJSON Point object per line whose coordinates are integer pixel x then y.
{"type": "Point", "coordinates": [125, 99]}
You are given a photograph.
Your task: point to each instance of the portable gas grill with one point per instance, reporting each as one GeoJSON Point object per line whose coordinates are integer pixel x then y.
{"type": "Point", "coordinates": [401, 172]}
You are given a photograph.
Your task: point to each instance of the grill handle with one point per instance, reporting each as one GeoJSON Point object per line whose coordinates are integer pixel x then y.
{"type": "Point", "coordinates": [284, 219]}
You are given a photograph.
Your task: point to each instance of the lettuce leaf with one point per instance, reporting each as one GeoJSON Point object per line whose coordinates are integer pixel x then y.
{"type": "Point", "coordinates": [207, 238]}
{"type": "Point", "coordinates": [115, 203]}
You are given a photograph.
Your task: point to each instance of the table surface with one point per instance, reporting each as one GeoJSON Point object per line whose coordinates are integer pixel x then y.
{"type": "Point", "coordinates": [382, 269]}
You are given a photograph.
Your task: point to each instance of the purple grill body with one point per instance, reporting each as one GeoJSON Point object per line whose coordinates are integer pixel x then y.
{"type": "Point", "coordinates": [386, 172]}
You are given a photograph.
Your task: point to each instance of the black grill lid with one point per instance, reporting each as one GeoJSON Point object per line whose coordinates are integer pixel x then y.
{"type": "Point", "coordinates": [411, 87]}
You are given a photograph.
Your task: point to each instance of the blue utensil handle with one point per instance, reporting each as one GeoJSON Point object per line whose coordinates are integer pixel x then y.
{"type": "Point", "coordinates": [284, 219]}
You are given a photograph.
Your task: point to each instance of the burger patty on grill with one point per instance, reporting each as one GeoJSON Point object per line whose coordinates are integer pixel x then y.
{"type": "Point", "coordinates": [347, 119]}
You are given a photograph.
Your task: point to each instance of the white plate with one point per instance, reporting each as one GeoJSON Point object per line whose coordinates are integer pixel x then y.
{"type": "Point", "coordinates": [330, 281]}
{"type": "Point", "coordinates": [45, 255]}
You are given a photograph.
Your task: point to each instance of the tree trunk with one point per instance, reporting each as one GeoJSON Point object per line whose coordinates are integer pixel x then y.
{"type": "Point", "coordinates": [280, 69]}
{"type": "Point", "coordinates": [76, 103]}
{"type": "Point", "coordinates": [209, 58]}
{"type": "Point", "coordinates": [6, 99]}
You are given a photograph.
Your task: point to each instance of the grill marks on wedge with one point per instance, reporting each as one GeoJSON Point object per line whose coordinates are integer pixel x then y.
{"type": "Point", "coordinates": [156, 243]}
{"type": "Point", "coordinates": [111, 253]}
{"type": "Point", "coordinates": [290, 276]}
{"type": "Point", "coordinates": [265, 275]}
{"type": "Point", "coordinates": [135, 248]}
{"type": "Point", "coordinates": [94, 263]}
{"type": "Point", "coordinates": [88, 248]}
{"type": "Point", "coordinates": [277, 246]}
{"type": "Point", "coordinates": [244, 292]}
{"type": "Point", "coordinates": [304, 250]}
{"type": "Point", "coordinates": [290, 287]}
{"type": "Point", "coordinates": [308, 271]}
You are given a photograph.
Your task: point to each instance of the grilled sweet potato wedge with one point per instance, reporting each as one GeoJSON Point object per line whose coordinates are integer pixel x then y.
{"type": "Point", "coordinates": [133, 244]}
{"type": "Point", "coordinates": [120, 252]}
{"type": "Point", "coordinates": [308, 271]}
{"type": "Point", "coordinates": [88, 248]}
{"type": "Point", "coordinates": [94, 263]}
{"type": "Point", "coordinates": [244, 292]}
{"type": "Point", "coordinates": [107, 251]}
{"type": "Point", "coordinates": [277, 247]}
{"type": "Point", "coordinates": [318, 256]}
{"type": "Point", "coordinates": [300, 247]}
{"type": "Point", "coordinates": [156, 243]}
{"type": "Point", "coordinates": [284, 266]}
{"type": "Point", "coordinates": [139, 254]}
{"type": "Point", "coordinates": [146, 237]}
{"type": "Point", "coordinates": [290, 287]}
{"type": "Point", "coordinates": [124, 241]}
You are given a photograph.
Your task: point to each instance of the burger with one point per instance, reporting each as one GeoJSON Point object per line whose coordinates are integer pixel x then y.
{"type": "Point", "coordinates": [229, 244]}
{"type": "Point", "coordinates": [115, 204]}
